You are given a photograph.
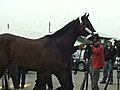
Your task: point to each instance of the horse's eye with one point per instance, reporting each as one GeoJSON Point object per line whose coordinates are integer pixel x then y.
{"type": "Point", "coordinates": [81, 23]}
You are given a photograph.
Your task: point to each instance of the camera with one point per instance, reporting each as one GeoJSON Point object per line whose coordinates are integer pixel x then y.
{"type": "Point", "coordinates": [88, 51]}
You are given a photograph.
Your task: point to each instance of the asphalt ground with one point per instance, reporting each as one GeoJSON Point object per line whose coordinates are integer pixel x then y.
{"type": "Point", "coordinates": [77, 79]}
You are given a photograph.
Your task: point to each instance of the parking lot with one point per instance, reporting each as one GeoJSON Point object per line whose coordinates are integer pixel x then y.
{"type": "Point", "coordinates": [77, 79]}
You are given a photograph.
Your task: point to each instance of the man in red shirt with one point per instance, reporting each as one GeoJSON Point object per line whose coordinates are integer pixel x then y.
{"type": "Point", "coordinates": [97, 62]}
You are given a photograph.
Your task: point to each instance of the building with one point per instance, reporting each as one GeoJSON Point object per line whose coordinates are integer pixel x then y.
{"type": "Point", "coordinates": [103, 39]}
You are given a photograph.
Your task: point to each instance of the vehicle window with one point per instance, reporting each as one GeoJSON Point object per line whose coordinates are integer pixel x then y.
{"type": "Point", "coordinates": [76, 55]}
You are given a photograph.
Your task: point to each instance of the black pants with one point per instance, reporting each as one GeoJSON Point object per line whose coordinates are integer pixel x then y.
{"type": "Point", "coordinates": [21, 75]}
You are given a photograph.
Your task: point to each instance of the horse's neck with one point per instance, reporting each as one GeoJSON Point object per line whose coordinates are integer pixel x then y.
{"type": "Point", "coordinates": [67, 40]}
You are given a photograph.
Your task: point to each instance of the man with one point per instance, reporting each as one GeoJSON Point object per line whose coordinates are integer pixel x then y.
{"type": "Point", "coordinates": [109, 51]}
{"type": "Point", "coordinates": [97, 63]}
{"type": "Point", "coordinates": [21, 76]}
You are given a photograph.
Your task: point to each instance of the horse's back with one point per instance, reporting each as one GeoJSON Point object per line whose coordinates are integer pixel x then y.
{"type": "Point", "coordinates": [22, 51]}
{"type": "Point", "coordinates": [33, 54]}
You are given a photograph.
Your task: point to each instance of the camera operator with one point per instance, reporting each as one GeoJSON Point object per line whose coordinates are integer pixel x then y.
{"type": "Point", "coordinates": [109, 51]}
{"type": "Point", "coordinates": [97, 62]}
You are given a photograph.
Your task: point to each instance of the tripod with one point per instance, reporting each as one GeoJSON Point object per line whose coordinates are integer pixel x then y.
{"type": "Point", "coordinates": [87, 72]}
{"type": "Point", "coordinates": [86, 76]}
{"type": "Point", "coordinates": [87, 54]}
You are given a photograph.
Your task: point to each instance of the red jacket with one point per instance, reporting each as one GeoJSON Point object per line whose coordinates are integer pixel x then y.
{"type": "Point", "coordinates": [98, 57]}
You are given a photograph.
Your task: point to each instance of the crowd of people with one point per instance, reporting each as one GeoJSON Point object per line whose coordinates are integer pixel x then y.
{"type": "Point", "coordinates": [101, 57]}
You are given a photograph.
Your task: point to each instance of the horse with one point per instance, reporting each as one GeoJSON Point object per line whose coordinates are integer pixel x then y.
{"type": "Point", "coordinates": [47, 55]}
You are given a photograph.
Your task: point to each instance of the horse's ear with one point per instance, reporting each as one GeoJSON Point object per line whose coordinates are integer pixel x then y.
{"type": "Point", "coordinates": [87, 15]}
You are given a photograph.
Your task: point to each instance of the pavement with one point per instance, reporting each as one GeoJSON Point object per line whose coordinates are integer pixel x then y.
{"type": "Point", "coordinates": [77, 79]}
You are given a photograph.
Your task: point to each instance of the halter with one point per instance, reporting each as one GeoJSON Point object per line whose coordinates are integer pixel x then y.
{"type": "Point", "coordinates": [90, 35]}
{"type": "Point", "coordinates": [88, 30]}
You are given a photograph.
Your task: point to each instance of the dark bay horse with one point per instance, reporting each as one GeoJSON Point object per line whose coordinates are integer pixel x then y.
{"type": "Point", "coordinates": [46, 55]}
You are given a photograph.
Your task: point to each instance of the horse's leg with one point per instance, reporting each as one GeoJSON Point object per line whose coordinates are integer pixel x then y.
{"type": "Point", "coordinates": [41, 81]}
{"type": "Point", "coordinates": [3, 63]}
{"type": "Point", "coordinates": [62, 77]}
{"type": "Point", "coordinates": [2, 69]}
{"type": "Point", "coordinates": [39, 84]}
{"type": "Point", "coordinates": [2, 72]}
{"type": "Point", "coordinates": [50, 83]}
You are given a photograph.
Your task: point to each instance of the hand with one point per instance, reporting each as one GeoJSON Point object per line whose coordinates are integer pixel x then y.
{"type": "Point", "coordinates": [81, 46]}
{"type": "Point", "coordinates": [75, 72]}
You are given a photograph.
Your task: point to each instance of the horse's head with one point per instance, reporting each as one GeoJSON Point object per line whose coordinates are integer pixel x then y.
{"type": "Point", "coordinates": [87, 29]}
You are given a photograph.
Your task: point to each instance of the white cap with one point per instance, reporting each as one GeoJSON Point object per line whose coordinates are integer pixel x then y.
{"type": "Point", "coordinates": [112, 41]}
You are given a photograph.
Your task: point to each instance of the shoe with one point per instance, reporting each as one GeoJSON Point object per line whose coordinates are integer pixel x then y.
{"type": "Point", "coordinates": [102, 82]}
{"type": "Point", "coordinates": [110, 83]}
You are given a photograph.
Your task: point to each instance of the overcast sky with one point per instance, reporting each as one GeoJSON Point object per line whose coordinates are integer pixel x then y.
{"type": "Point", "coordinates": [34, 15]}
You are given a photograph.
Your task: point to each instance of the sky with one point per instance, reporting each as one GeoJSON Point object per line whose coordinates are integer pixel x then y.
{"type": "Point", "coordinates": [35, 15]}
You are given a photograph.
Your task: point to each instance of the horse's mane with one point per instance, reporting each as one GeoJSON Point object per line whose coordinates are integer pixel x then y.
{"type": "Point", "coordinates": [65, 29]}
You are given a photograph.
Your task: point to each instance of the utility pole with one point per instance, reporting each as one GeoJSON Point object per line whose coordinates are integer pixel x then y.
{"type": "Point", "coordinates": [8, 26]}
{"type": "Point", "coordinates": [49, 27]}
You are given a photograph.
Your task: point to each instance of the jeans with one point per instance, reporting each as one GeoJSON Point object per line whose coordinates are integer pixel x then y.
{"type": "Point", "coordinates": [106, 71]}
{"type": "Point", "coordinates": [95, 72]}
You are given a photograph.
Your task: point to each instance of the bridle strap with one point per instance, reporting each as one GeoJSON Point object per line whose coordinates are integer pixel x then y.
{"type": "Point", "coordinates": [88, 36]}
{"type": "Point", "coordinates": [88, 30]}
{"type": "Point", "coordinates": [80, 20]}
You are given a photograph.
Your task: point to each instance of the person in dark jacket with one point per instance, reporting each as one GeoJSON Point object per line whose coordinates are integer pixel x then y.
{"type": "Point", "coordinates": [109, 51]}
